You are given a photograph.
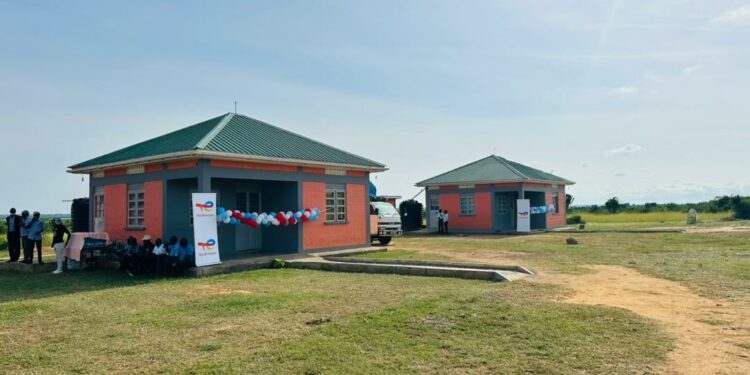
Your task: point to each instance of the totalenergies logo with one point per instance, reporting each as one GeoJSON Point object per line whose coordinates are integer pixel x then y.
{"type": "Point", "coordinates": [208, 245]}
{"type": "Point", "coordinates": [205, 207]}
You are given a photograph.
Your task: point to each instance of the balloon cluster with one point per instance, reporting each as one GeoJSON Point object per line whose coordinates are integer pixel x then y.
{"type": "Point", "coordinates": [255, 219]}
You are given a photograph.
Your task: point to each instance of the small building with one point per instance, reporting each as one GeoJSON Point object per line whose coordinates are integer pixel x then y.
{"type": "Point", "coordinates": [481, 196]}
{"type": "Point", "coordinates": [252, 166]}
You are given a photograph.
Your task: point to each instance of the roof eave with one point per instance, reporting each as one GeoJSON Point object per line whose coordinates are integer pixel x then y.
{"type": "Point", "coordinates": [546, 182]}
{"type": "Point", "coordinates": [219, 155]}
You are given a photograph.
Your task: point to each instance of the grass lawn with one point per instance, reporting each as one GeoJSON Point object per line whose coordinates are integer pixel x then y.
{"type": "Point", "coordinates": [295, 321]}
{"type": "Point", "coordinates": [298, 321]}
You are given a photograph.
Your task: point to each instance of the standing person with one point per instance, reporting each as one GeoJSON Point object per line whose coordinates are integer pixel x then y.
{"type": "Point", "coordinates": [36, 230]}
{"type": "Point", "coordinates": [28, 255]}
{"type": "Point", "coordinates": [445, 222]}
{"type": "Point", "coordinates": [58, 244]}
{"type": "Point", "coordinates": [14, 235]}
{"type": "Point", "coordinates": [440, 220]}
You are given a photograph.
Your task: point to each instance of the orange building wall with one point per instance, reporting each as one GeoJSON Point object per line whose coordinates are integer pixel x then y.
{"type": "Point", "coordinates": [557, 220]}
{"type": "Point", "coordinates": [252, 165]}
{"type": "Point", "coordinates": [115, 211]}
{"type": "Point", "coordinates": [182, 164]}
{"type": "Point", "coordinates": [153, 208]}
{"type": "Point", "coordinates": [482, 219]}
{"type": "Point", "coordinates": [318, 235]}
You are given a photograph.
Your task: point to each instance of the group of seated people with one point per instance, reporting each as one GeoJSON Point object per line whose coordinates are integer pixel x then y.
{"type": "Point", "coordinates": [156, 257]}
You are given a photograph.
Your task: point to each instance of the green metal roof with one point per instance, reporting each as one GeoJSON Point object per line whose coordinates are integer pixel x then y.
{"type": "Point", "coordinates": [493, 169]}
{"type": "Point", "coordinates": [234, 134]}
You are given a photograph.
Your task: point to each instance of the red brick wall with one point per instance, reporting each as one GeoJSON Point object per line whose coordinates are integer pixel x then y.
{"type": "Point", "coordinates": [153, 209]}
{"type": "Point", "coordinates": [252, 165]}
{"type": "Point", "coordinates": [318, 235]}
{"type": "Point", "coordinates": [557, 220]}
{"type": "Point", "coordinates": [182, 164]}
{"type": "Point", "coordinates": [482, 219]}
{"type": "Point", "coordinates": [115, 211]}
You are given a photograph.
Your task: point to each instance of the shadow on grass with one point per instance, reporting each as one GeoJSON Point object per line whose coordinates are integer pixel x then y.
{"type": "Point", "coordinates": [21, 286]}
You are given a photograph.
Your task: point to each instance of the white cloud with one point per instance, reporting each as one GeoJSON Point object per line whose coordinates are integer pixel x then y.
{"type": "Point", "coordinates": [624, 91]}
{"type": "Point", "coordinates": [691, 69]}
{"type": "Point", "coordinates": [620, 174]}
{"type": "Point", "coordinates": [585, 164]}
{"type": "Point", "coordinates": [734, 17]}
{"type": "Point", "coordinates": [628, 149]}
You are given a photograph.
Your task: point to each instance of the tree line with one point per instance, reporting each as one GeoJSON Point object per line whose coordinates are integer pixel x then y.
{"type": "Point", "coordinates": [737, 204]}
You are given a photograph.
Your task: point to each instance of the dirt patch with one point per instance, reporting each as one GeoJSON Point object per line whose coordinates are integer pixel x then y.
{"type": "Point", "coordinates": [711, 336]}
{"type": "Point", "coordinates": [728, 229]}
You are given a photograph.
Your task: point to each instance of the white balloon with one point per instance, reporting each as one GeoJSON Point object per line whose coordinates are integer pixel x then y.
{"type": "Point", "coordinates": [227, 220]}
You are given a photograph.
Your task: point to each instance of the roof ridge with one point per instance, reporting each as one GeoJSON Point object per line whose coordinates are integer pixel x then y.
{"type": "Point", "coordinates": [455, 169]}
{"type": "Point", "coordinates": [310, 139]}
{"type": "Point", "coordinates": [216, 130]}
{"type": "Point", "coordinates": [513, 169]}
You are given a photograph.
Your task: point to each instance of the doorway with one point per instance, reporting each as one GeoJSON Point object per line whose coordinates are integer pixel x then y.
{"type": "Point", "coordinates": [505, 211]}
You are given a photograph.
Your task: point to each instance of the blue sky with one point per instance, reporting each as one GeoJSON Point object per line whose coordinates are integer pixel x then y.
{"type": "Point", "coordinates": [644, 100]}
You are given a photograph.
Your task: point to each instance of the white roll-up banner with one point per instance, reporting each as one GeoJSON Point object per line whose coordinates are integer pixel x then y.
{"type": "Point", "coordinates": [205, 229]}
{"type": "Point", "coordinates": [523, 215]}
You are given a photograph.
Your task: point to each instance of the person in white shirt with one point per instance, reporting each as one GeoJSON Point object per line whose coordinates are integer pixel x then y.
{"type": "Point", "coordinates": [440, 221]}
{"type": "Point", "coordinates": [160, 252]}
{"type": "Point", "coordinates": [445, 221]}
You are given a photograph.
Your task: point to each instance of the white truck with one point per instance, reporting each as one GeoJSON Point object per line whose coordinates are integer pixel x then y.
{"type": "Point", "coordinates": [385, 222]}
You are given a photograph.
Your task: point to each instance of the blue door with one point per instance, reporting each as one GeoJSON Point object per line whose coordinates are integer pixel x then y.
{"type": "Point", "coordinates": [505, 211]}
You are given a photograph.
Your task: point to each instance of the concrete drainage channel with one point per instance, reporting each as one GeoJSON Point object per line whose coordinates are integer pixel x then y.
{"type": "Point", "coordinates": [412, 267]}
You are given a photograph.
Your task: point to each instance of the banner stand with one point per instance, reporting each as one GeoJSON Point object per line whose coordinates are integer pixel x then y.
{"type": "Point", "coordinates": [523, 215]}
{"type": "Point", "coordinates": [205, 229]}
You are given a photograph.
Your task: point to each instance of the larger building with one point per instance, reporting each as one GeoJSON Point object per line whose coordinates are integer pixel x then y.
{"type": "Point", "coordinates": [251, 166]}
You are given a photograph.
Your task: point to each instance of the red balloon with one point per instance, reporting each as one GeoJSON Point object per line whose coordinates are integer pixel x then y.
{"type": "Point", "coordinates": [253, 223]}
{"type": "Point", "coordinates": [281, 218]}
{"type": "Point", "coordinates": [292, 220]}
{"type": "Point", "coordinates": [303, 218]}
{"type": "Point", "coordinates": [237, 215]}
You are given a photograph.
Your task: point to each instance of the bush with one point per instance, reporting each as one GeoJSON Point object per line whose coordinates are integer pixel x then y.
{"type": "Point", "coordinates": [741, 208]}
{"type": "Point", "coordinates": [278, 263]}
{"type": "Point", "coordinates": [576, 219]}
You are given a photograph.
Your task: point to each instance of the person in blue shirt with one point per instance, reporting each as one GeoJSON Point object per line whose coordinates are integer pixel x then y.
{"type": "Point", "coordinates": [186, 256]}
{"type": "Point", "coordinates": [36, 230]}
{"type": "Point", "coordinates": [27, 253]}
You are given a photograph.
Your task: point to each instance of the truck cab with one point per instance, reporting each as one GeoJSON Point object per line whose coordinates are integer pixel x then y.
{"type": "Point", "coordinates": [385, 222]}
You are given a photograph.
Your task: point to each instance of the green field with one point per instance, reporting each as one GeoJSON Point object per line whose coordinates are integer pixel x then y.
{"type": "Point", "coordinates": [649, 217]}
{"type": "Point", "coordinates": [311, 322]}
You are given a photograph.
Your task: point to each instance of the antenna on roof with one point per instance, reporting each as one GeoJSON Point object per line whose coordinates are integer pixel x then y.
{"type": "Point", "coordinates": [235, 107]}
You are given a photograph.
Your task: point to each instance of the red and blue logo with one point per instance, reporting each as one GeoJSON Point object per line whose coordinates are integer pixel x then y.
{"type": "Point", "coordinates": [208, 245]}
{"type": "Point", "coordinates": [205, 207]}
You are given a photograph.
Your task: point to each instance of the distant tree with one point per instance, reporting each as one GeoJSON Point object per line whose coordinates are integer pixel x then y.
{"type": "Point", "coordinates": [613, 205]}
{"type": "Point", "coordinates": [568, 201]}
{"type": "Point", "coordinates": [650, 207]}
{"type": "Point", "coordinates": [741, 207]}
{"type": "Point", "coordinates": [594, 208]}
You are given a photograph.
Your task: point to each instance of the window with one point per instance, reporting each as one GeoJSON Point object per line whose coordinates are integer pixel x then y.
{"type": "Point", "coordinates": [503, 205]}
{"type": "Point", "coordinates": [99, 202]}
{"type": "Point", "coordinates": [556, 202]}
{"type": "Point", "coordinates": [136, 203]}
{"type": "Point", "coordinates": [335, 204]}
{"type": "Point", "coordinates": [468, 205]}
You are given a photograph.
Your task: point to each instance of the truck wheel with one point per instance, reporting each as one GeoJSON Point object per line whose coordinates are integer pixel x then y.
{"type": "Point", "coordinates": [384, 240]}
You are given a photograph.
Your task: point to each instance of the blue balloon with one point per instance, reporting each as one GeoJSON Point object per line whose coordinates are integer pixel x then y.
{"type": "Point", "coordinates": [233, 221]}
{"type": "Point", "coordinates": [221, 211]}
{"type": "Point", "coordinates": [254, 216]}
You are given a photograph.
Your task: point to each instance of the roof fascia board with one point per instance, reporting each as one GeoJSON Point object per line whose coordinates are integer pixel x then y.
{"type": "Point", "coordinates": [223, 156]}
{"type": "Point", "coordinates": [546, 182]}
